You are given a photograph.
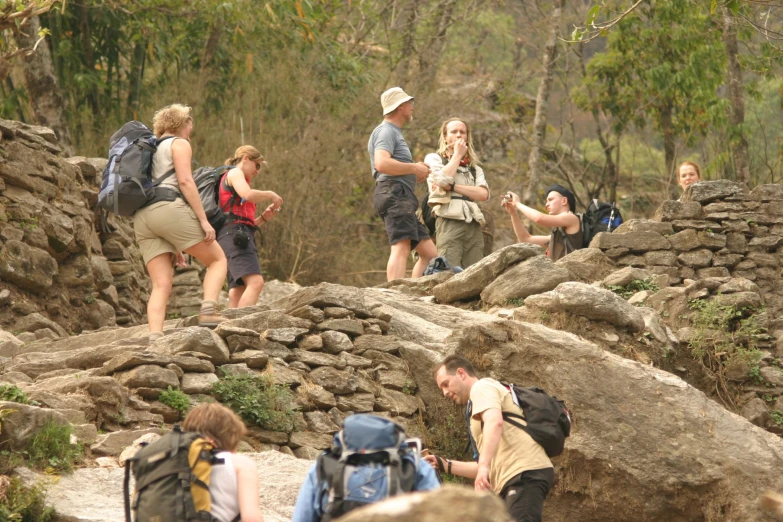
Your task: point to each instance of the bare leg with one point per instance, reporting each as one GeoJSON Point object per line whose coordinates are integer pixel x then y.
{"type": "Point", "coordinates": [254, 283]}
{"type": "Point", "coordinates": [213, 257]}
{"type": "Point", "coordinates": [234, 295]}
{"type": "Point", "coordinates": [427, 252]}
{"type": "Point", "coordinates": [398, 260]}
{"type": "Point", "coordinates": [161, 273]}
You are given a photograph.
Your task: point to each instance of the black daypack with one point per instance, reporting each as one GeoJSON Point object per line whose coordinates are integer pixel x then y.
{"type": "Point", "coordinates": [369, 462]}
{"type": "Point", "coordinates": [172, 479]}
{"type": "Point", "coordinates": [547, 419]}
{"type": "Point", "coordinates": [427, 217]}
{"type": "Point", "coordinates": [208, 181]}
{"type": "Point", "coordinates": [126, 185]}
{"type": "Point", "coordinates": [599, 217]}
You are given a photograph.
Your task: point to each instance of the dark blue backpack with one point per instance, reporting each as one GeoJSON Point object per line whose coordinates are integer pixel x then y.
{"type": "Point", "coordinates": [369, 461]}
{"type": "Point", "coordinates": [126, 185]}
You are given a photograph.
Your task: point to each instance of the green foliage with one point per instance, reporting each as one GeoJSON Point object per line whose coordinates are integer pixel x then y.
{"type": "Point", "coordinates": [20, 503]}
{"type": "Point", "coordinates": [12, 392]}
{"type": "Point", "coordinates": [637, 285]}
{"type": "Point", "coordinates": [777, 417]}
{"type": "Point", "coordinates": [517, 301]}
{"type": "Point", "coordinates": [258, 400]}
{"type": "Point", "coordinates": [726, 336]}
{"type": "Point", "coordinates": [51, 448]}
{"type": "Point", "coordinates": [175, 399]}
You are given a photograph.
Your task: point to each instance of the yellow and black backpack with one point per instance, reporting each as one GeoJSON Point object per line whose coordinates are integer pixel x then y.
{"type": "Point", "coordinates": [172, 479]}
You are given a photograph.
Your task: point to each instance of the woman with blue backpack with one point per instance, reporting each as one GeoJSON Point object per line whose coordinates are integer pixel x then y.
{"type": "Point", "coordinates": [237, 237]}
{"type": "Point", "coordinates": [175, 222]}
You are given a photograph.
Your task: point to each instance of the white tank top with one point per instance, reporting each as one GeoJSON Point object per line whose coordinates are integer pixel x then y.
{"type": "Point", "coordinates": [163, 162]}
{"type": "Point", "coordinates": [223, 489]}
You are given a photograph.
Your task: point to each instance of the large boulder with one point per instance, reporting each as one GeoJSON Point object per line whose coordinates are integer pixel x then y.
{"type": "Point", "coordinates": [636, 242]}
{"type": "Point", "coordinates": [431, 506]}
{"type": "Point", "coordinates": [470, 282]}
{"type": "Point", "coordinates": [588, 264]}
{"type": "Point", "coordinates": [533, 276]}
{"type": "Point", "coordinates": [29, 267]}
{"type": "Point", "coordinates": [591, 302]}
{"type": "Point", "coordinates": [706, 191]}
{"type": "Point", "coordinates": [659, 448]}
{"type": "Point", "coordinates": [193, 339]}
{"type": "Point", "coordinates": [9, 344]}
{"type": "Point", "coordinates": [21, 422]}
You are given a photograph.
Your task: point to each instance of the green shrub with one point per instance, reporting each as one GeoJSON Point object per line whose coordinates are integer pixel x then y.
{"type": "Point", "coordinates": [637, 285]}
{"type": "Point", "coordinates": [51, 448]}
{"type": "Point", "coordinates": [20, 503]}
{"type": "Point", "coordinates": [777, 417]}
{"type": "Point", "coordinates": [175, 399]}
{"type": "Point", "coordinates": [258, 400]}
{"type": "Point", "coordinates": [12, 392]}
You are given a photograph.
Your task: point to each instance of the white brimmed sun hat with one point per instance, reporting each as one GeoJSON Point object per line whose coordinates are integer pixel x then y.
{"type": "Point", "coordinates": [393, 98]}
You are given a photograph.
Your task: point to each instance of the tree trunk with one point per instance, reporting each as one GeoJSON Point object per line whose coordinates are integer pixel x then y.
{"type": "Point", "coordinates": [429, 57]}
{"type": "Point", "coordinates": [41, 83]}
{"type": "Point", "coordinates": [739, 142]}
{"type": "Point", "coordinates": [402, 70]}
{"type": "Point", "coordinates": [669, 149]}
{"type": "Point", "coordinates": [542, 103]}
{"type": "Point", "coordinates": [136, 74]}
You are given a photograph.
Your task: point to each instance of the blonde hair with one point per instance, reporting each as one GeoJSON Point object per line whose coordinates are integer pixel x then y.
{"type": "Point", "coordinates": [171, 119]}
{"type": "Point", "coordinates": [442, 146]}
{"type": "Point", "coordinates": [689, 164]}
{"type": "Point", "coordinates": [245, 150]}
{"type": "Point", "coordinates": [217, 422]}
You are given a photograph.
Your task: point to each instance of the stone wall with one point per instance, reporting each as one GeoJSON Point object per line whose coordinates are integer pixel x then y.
{"type": "Point", "coordinates": [718, 229]}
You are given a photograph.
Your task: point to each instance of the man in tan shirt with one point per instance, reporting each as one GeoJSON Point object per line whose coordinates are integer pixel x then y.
{"type": "Point", "coordinates": [510, 462]}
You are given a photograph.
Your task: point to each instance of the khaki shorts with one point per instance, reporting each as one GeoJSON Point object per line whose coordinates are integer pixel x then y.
{"type": "Point", "coordinates": [166, 227]}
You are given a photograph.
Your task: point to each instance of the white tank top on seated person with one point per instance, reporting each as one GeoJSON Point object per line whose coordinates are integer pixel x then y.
{"type": "Point", "coordinates": [163, 162]}
{"type": "Point", "coordinates": [223, 489]}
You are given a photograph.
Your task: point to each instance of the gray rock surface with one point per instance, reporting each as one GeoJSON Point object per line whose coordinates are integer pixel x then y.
{"type": "Point", "coordinates": [21, 422]}
{"type": "Point", "coordinates": [470, 282]}
{"type": "Point", "coordinates": [587, 264]}
{"type": "Point", "coordinates": [532, 276]}
{"type": "Point", "coordinates": [591, 302]}
{"type": "Point", "coordinates": [280, 479]}
{"type": "Point", "coordinates": [431, 506]}
{"type": "Point", "coordinates": [193, 339]}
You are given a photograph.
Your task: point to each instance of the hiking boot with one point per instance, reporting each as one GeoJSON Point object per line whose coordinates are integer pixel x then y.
{"type": "Point", "coordinates": [210, 320]}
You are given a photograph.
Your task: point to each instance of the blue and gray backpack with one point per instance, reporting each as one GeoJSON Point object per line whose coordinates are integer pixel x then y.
{"type": "Point", "coordinates": [369, 461]}
{"type": "Point", "coordinates": [126, 185]}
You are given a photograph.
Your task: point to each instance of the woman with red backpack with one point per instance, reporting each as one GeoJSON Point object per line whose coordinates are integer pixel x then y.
{"type": "Point", "coordinates": [237, 237]}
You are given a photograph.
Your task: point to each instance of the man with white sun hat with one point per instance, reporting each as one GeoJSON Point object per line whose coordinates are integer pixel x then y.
{"type": "Point", "coordinates": [396, 176]}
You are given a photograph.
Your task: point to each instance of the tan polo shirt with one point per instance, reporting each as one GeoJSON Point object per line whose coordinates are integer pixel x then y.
{"type": "Point", "coordinates": [517, 451]}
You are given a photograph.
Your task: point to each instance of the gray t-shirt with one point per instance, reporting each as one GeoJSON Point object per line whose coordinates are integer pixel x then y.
{"type": "Point", "coordinates": [388, 137]}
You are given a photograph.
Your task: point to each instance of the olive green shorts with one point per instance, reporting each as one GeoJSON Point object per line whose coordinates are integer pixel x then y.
{"type": "Point", "coordinates": [166, 227]}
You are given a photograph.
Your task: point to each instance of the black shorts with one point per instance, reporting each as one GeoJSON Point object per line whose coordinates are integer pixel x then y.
{"type": "Point", "coordinates": [396, 204]}
{"type": "Point", "coordinates": [241, 261]}
{"type": "Point", "coordinates": [524, 494]}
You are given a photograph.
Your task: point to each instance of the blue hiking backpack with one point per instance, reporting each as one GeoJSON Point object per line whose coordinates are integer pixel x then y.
{"type": "Point", "coordinates": [126, 185]}
{"type": "Point", "coordinates": [369, 461]}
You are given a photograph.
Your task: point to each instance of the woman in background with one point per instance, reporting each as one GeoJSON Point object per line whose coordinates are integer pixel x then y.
{"type": "Point", "coordinates": [237, 238]}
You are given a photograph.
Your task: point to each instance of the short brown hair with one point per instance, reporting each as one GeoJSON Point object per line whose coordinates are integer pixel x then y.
{"type": "Point", "coordinates": [217, 422]}
{"type": "Point", "coordinates": [452, 362]}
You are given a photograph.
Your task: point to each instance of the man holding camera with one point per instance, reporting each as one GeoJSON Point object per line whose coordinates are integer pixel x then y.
{"type": "Point", "coordinates": [509, 461]}
{"type": "Point", "coordinates": [396, 176]}
{"type": "Point", "coordinates": [566, 226]}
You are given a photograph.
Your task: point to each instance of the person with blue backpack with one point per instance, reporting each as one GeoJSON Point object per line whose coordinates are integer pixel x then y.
{"type": "Point", "coordinates": [237, 237]}
{"type": "Point", "coordinates": [370, 460]}
{"type": "Point", "coordinates": [509, 461]}
{"type": "Point", "coordinates": [175, 222]}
